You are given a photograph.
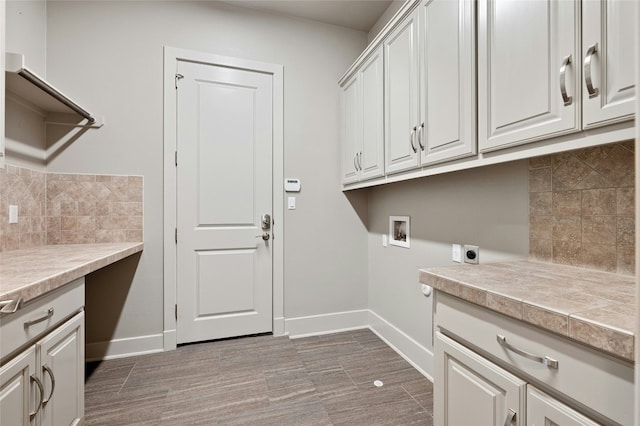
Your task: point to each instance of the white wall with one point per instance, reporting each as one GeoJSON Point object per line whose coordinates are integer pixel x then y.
{"type": "Point", "coordinates": [109, 56]}
{"type": "Point", "coordinates": [487, 207]}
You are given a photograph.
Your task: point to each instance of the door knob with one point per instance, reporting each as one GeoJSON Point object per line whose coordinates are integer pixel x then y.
{"type": "Point", "coordinates": [265, 236]}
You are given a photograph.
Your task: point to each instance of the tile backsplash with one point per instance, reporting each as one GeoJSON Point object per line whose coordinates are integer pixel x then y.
{"type": "Point", "coordinates": [24, 188]}
{"type": "Point", "coordinates": [60, 208]}
{"type": "Point", "coordinates": [581, 208]}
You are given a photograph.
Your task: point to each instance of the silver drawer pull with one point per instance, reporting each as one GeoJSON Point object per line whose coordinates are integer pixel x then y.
{"type": "Point", "coordinates": [46, 369]}
{"type": "Point", "coordinates": [566, 99]}
{"type": "Point", "coordinates": [45, 317]}
{"type": "Point", "coordinates": [593, 91]}
{"type": "Point", "coordinates": [10, 306]}
{"type": "Point", "coordinates": [511, 416]}
{"type": "Point", "coordinates": [549, 362]}
{"type": "Point", "coordinates": [37, 381]}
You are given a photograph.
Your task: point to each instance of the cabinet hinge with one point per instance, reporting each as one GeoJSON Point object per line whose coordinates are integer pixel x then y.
{"type": "Point", "coordinates": [175, 158]}
{"type": "Point", "coordinates": [178, 77]}
{"type": "Point", "coordinates": [176, 311]}
{"type": "Point", "coordinates": [176, 235]}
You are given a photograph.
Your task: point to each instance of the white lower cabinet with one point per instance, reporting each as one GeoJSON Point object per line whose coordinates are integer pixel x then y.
{"type": "Point", "coordinates": [17, 379]}
{"type": "Point", "coordinates": [474, 391]}
{"type": "Point", "coordinates": [42, 362]}
{"type": "Point", "coordinates": [544, 410]}
{"type": "Point", "coordinates": [44, 384]}
{"type": "Point", "coordinates": [494, 370]}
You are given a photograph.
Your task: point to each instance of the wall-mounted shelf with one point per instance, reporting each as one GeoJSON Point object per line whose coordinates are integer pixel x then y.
{"type": "Point", "coordinates": [29, 86]}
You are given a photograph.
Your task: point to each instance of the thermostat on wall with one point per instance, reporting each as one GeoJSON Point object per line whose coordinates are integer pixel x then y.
{"type": "Point", "coordinates": [292, 185]}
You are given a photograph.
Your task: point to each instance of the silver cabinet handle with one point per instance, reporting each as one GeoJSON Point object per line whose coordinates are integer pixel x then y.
{"type": "Point", "coordinates": [549, 362]}
{"type": "Point", "coordinates": [420, 130]}
{"type": "Point", "coordinates": [593, 91]}
{"type": "Point", "coordinates": [511, 416]}
{"type": "Point", "coordinates": [563, 86]}
{"type": "Point", "coordinates": [46, 369]}
{"type": "Point", "coordinates": [45, 317]}
{"type": "Point", "coordinates": [10, 306]}
{"type": "Point", "coordinates": [359, 155]}
{"type": "Point", "coordinates": [41, 389]}
{"type": "Point", "coordinates": [411, 138]}
{"type": "Point", "coordinates": [355, 162]}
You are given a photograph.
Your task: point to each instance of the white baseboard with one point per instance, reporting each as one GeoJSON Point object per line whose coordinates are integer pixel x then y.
{"type": "Point", "coordinates": [120, 348]}
{"type": "Point", "coordinates": [326, 323]}
{"type": "Point", "coordinates": [278, 327]}
{"type": "Point", "coordinates": [416, 354]}
{"type": "Point", "coordinates": [170, 340]}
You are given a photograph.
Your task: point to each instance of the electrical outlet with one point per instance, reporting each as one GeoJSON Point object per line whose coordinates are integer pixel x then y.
{"type": "Point", "coordinates": [456, 253]}
{"type": "Point", "coordinates": [471, 254]}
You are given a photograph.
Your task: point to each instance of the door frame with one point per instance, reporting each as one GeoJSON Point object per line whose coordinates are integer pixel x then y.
{"type": "Point", "coordinates": [171, 57]}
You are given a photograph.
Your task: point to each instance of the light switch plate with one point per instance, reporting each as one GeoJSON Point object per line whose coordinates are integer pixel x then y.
{"type": "Point", "coordinates": [291, 203]}
{"type": "Point", "coordinates": [13, 214]}
{"type": "Point", "coordinates": [456, 253]}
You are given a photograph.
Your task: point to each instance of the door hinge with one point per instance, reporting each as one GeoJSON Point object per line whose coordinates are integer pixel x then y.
{"type": "Point", "coordinates": [178, 77]}
{"type": "Point", "coordinates": [176, 235]}
{"type": "Point", "coordinates": [176, 311]}
{"type": "Point", "coordinates": [175, 158]}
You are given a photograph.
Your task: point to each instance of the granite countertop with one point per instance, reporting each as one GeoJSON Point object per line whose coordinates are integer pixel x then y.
{"type": "Point", "coordinates": [595, 308]}
{"type": "Point", "coordinates": [30, 273]}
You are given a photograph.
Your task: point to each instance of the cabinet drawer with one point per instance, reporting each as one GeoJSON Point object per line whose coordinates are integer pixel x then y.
{"type": "Point", "coordinates": [39, 316]}
{"type": "Point", "coordinates": [596, 383]}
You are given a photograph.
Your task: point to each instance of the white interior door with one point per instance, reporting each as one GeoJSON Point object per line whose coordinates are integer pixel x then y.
{"type": "Point", "coordinates": [224, 187]}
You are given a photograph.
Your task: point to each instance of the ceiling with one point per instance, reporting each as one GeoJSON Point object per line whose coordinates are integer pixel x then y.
{"type": "Point", "coordinates": [355, 14]}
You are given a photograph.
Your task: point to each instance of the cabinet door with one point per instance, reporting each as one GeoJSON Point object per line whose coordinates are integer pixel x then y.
{"type": "Point", "coordinates": [448, 80]}
{"type": "Point", "coordinates": [609, 49]}
{"type": "Point", "coordinates": [401, 96]}
{"type": "Point", "coordinates": [470, 390]}
{"type": "Point", "coordinates": [61, 361]}
{"type": "Point", "coordinates": [527, 54]}
{"type": "Point", "coordinates": [351, 130]}
{"type": "Point", "coordinates": [544, 410]}
{"type": "Point", "coordinates": [17, 395]}
{"type": "Point", "coordinates": [371, 161]}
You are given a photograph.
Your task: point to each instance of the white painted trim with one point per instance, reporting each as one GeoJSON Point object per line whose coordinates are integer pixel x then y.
{"type": "Point", "coordinates": [408, 348]}
{"type": "Point", "coordinates": [171, 57]}
{"type": "Point", "coordinates": [602, 135]}
{"type": "Point", "coordinates": [326, 323]}
{"type": "Point", "coordinates": [279, 327]}
{"type": "Point", "coordinates": [122, 348]}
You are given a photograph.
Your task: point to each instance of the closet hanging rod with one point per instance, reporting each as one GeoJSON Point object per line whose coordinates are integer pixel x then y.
{"type": "Point", "coordinates": [15, 64]}
{"type": "Point", "coordinates": [52, 91]}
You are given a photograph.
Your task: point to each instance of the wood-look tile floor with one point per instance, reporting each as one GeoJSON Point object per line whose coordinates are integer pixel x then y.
{"type": "Point", "coordinates": [262, 380]}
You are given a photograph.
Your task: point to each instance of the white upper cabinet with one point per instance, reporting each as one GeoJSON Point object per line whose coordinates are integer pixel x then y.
{"type": "Point", "coordinates": [371, 159]}
{"type": "Point", "coordinates": [430, 86]}
{"type": "Point", "coordinates": [362, 121]}
{"type": "Point", "coordinates": [609, 49]}
{"type": "Point", "coordinates": [448, 80]}
{"type": "Point", "coordinates": [527, 63]}
{"type": "Point", "coordinates": [401, 96]}
{"type": "Point", "coordinates": [350, 133]}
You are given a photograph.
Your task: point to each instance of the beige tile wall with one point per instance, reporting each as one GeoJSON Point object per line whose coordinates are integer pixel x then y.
{"type": "Point", "coordinates": [57, 208]}
{"type": "Point", "coordinates": [26, 189]}
{"type": "Point", "coordinates": [581, 208]}
{"type": "Point", "coordinates": [93, 208]}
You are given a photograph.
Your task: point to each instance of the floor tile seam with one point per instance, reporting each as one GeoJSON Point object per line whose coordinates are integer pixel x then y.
{"type": "Point", "coordinates": [127, 378]}
{"type": "Point", "coordinates": [412, 397]}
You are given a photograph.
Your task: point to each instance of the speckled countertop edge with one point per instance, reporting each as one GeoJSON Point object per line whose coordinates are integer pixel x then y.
{"type": "Point", "coordinates": [595, 308]}
{"type": "Point", "coordinates": [33, 272]}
